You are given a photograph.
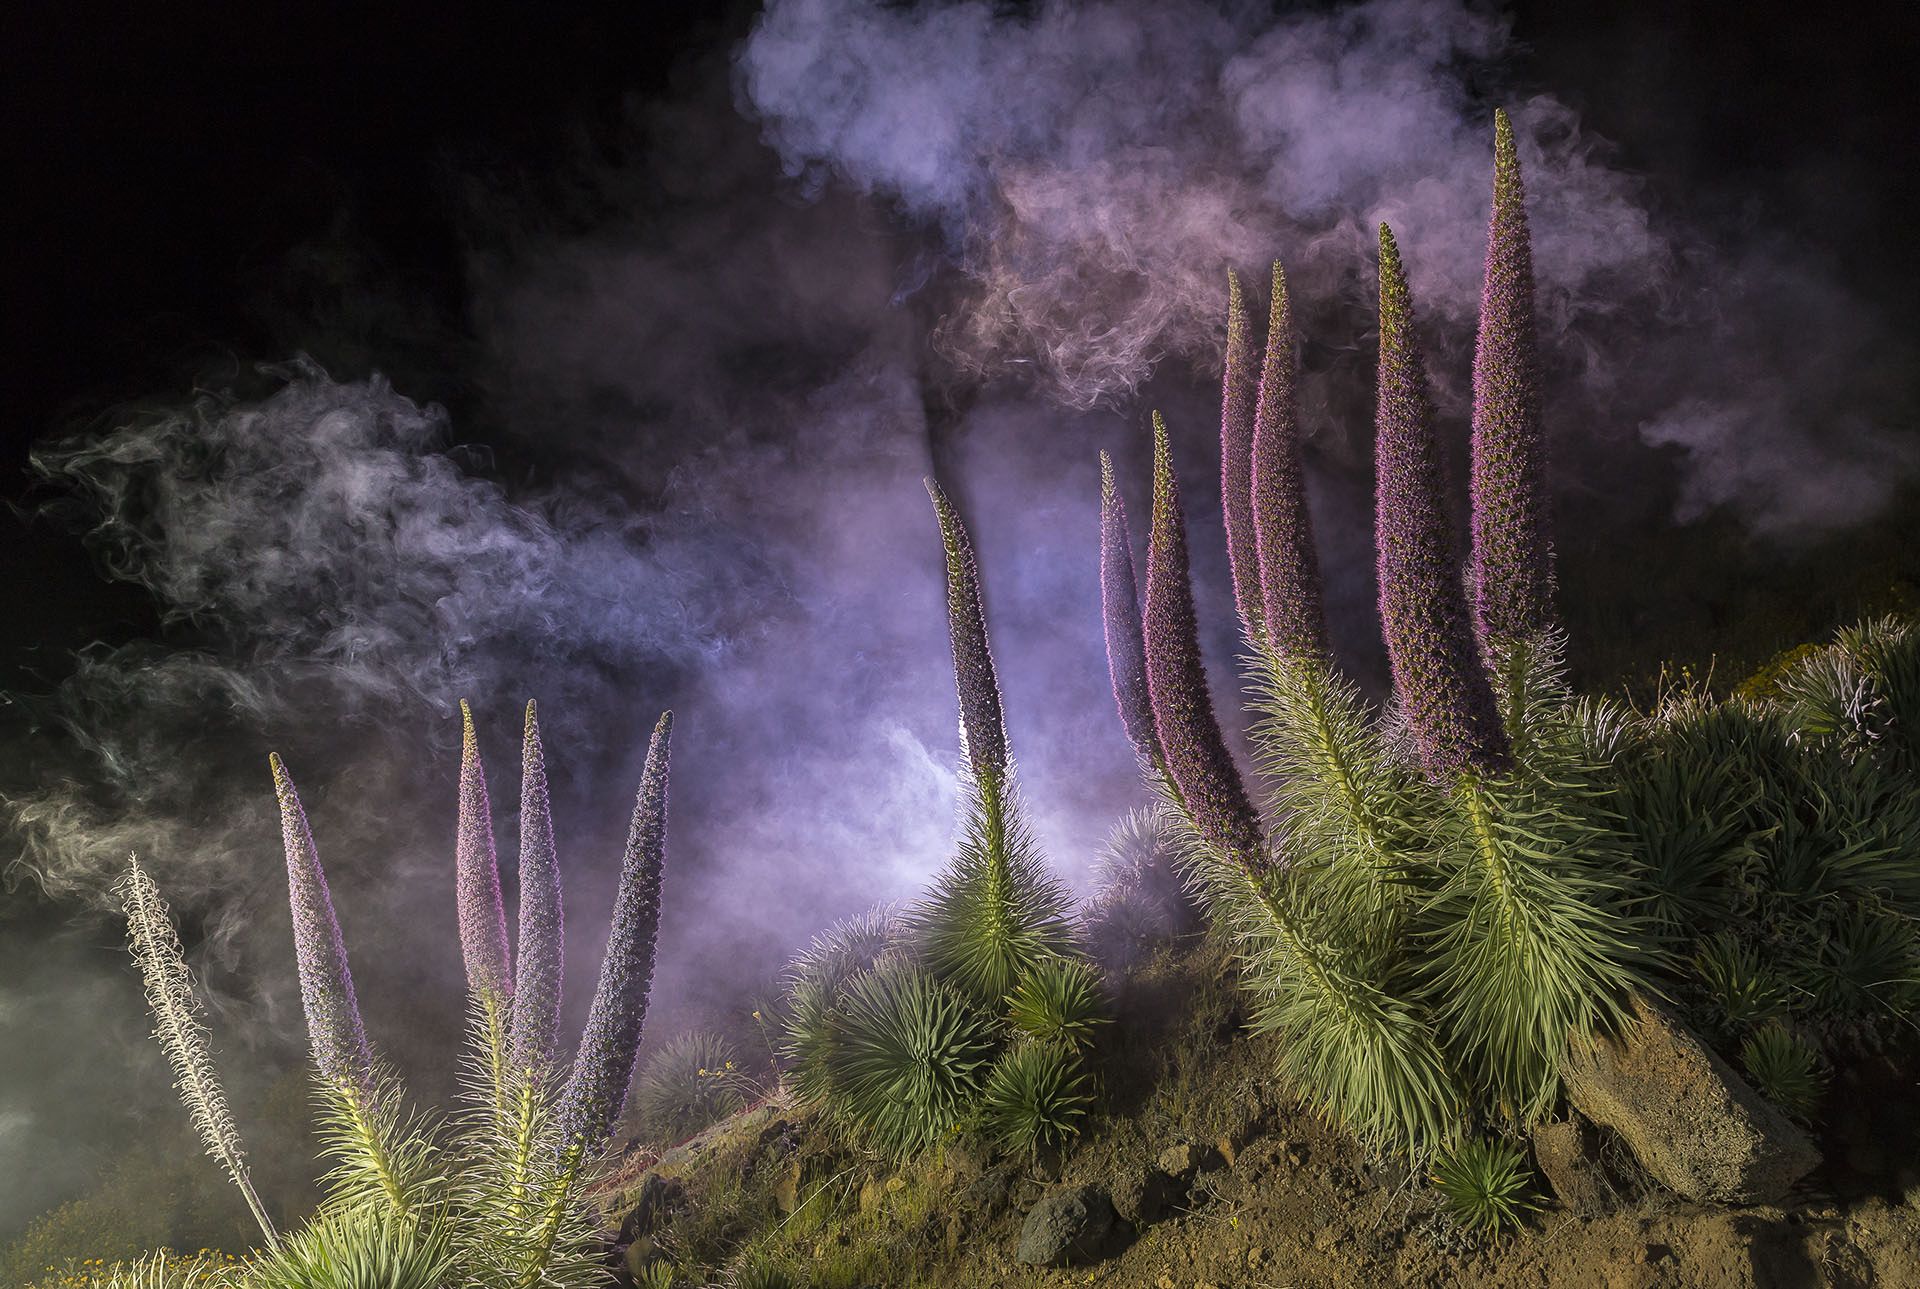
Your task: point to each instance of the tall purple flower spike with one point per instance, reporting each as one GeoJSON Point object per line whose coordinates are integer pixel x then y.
{"type": "Point", "coordinates": [1512, 574]}
{"type": "Point", "coordinates": [1236, 459]}
{"type": "Point", "coordinates": [596, 1093]}
{"type": "Point", "coordinates": [338, 1038]}
{"type": "Point", "coordinates": [982, 727]}
{"type": "Point", "coordinates": [483, 919]}
{"type": "Point", "coordinates": [1295, 615]}
{"type": "Point", "coordinates": [541, 963]}
{"type": "Point", "coordinates": [1196, 755]}
{"type": "Point", "coordinates": [1120, 607]}
{"type": "Point", "coordinates": [1423, 609]}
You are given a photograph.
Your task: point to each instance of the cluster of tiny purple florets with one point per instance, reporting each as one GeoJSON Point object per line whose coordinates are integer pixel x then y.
{"type": "Point", "coordinates": [983, 728]}
{"type": "Point", "coordinates": [1120, 610]}
{"type": "Point", "coordinates": [1196, 755]}
{"type": "Point", "coordinates": [1237, 401]}
{"type": "Point", "coordinates": [1290, 593]}
{"type": "Point", "coordinates": [483, 917]}
{"type": "Point", "coordinates": [1512, 572]}
{"type": "Point", "coordinates": [596, 1093]}
{"type": "Point", "coordinates": [1423, 610]}
{"type": "Point", "coordinates": [338, 1038]}
{"type": "Point", "coordinates": [540, 965]}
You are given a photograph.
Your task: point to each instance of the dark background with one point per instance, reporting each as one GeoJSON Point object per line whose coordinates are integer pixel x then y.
{"type": "Point", "coordinates": [198, 186]}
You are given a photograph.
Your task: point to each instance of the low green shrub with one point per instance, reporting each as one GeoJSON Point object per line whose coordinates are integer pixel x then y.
{"type": "Point", "coordinates": [1036, 1095]}
{"type": "Point", "coordinates": [1487, 1185]}
{"type": "Point", "coordinates": [693, 1082]}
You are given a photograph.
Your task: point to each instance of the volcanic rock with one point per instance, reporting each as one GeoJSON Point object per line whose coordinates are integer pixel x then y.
{"type": "Point", "coordinates": [1068, 1225]}
{"type": "Point", "coordinates": [1690, 1120]}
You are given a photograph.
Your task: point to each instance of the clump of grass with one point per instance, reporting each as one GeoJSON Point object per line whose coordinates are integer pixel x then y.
{"type": "Point", "coordinates": [1036, 1096]}
{"type": "Point", "coordinates": [690, 1084]}
{"type": "Point", "coordinates": [1785, 1068]}
{"type": "Point", "coordinates": [161, 1269]}
{"type": "Point", "coordinates": [1742, 990]}
{"type": "Point", "coordinates": [655, 1275]}
{"type": "Point", "coordinates": [1059, 1000]}
{"type": "Point", "coordinates": [358, 1247]}
{"type": "Point", "coordinates": [761, 1273]}
{"type": "Point", "coordinates": [909, 1057]}
{"type": "Point", "coordinates": [1487, 1185]}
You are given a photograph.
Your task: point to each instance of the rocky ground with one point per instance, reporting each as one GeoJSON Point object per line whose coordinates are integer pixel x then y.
{"type": "Point", "coordinates": [1198, 1171]}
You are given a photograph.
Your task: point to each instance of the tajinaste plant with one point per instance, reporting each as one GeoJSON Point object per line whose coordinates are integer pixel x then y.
{"type": "Point", "coordinates": [179, 1023]}
{"type": "Point", "coordinates": [994, 912]}
{"type": "Point", "coordinates": [1512, 572]}
{"type": "Point", "coordinates": [596, 1094]}
{"type": "Point", "coordinates": [541, 964]}
{"type": "Point", "coordinates": [1236, 459]}
{"type": "Point", "coordinates": [1120, 608]}
{"type": "Point", "coordinates": [483, 918]}
{"type": "Point", "coordinates": [1423, 613]}
{"type": "Point", "coordinates": [983, 728]}
{"type": "Point", "coordinates": [1289, 567]}
{"type": "Point", "coordinates": [1350, 1037]}
{"type": "Point", "coordinates": [1197, 761]}
{"type": "Point", "coordinates": [338, 1038]}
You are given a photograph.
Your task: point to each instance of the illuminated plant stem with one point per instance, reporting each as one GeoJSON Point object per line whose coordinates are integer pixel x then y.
{"type": "Point", "coordinates": [180, 1027]}
{"type": "Point", "coordinates": [556, 1211]}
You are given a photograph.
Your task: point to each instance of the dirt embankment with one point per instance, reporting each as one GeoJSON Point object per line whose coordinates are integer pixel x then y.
{"type": "Point", "coordinates": [1219, 1180]}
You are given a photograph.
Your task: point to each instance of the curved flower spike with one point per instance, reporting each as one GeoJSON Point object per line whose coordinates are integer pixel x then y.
{"type": "Point", "coordinates": [596, 1093]}
{"type": "Point", "coordinates": [1196, 755]}
{"type": "Point", "coordinates": [541, 963]}
{"type": "Point", "coordinates": [1512, 574]}
{"type": "Point", "coordinates": [1236, 460]}
{"type": "Point", "coordinates": [483, 918]}
{"type": "Point", "coordinates": [338, 1038]}
{"type": "Point", "coordinates": [1120, 607]}
{"type": "Point", "coordinates": [982, 726]}
{"type": "Point", "coordinates": [1423, 610]}
{"type": "Point", "coordinates": [1283, 530]}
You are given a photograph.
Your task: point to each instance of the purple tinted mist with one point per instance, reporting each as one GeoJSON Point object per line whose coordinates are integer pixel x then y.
{"type": "Point", "coordinates": [1196, 756]}
{"type": "Point", "coordinates": [338, 1038]}
{"type": "Point", "coordinates": [483, 918]}
{"type": "Point", "coordinates": [1120, 606]}
{"type": "Point", "coordinates": [1236, 459]}
{"type": "Point", "coordinates": [983, 729]}
{"type": "Point", "coordinates": [541, 962]}
{"type": "Point", "coordinates": [1290, 595]}
{"type": "Point", "coordinates": [1512, 573]}
{"type": "Point", "coordinates": [596, 1093]}
{"type": "Point", "coordinates": [1423, 608]}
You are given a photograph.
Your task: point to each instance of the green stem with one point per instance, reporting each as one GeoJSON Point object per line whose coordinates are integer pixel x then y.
{"type": "Point", "coordinates": [556, 1213]}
